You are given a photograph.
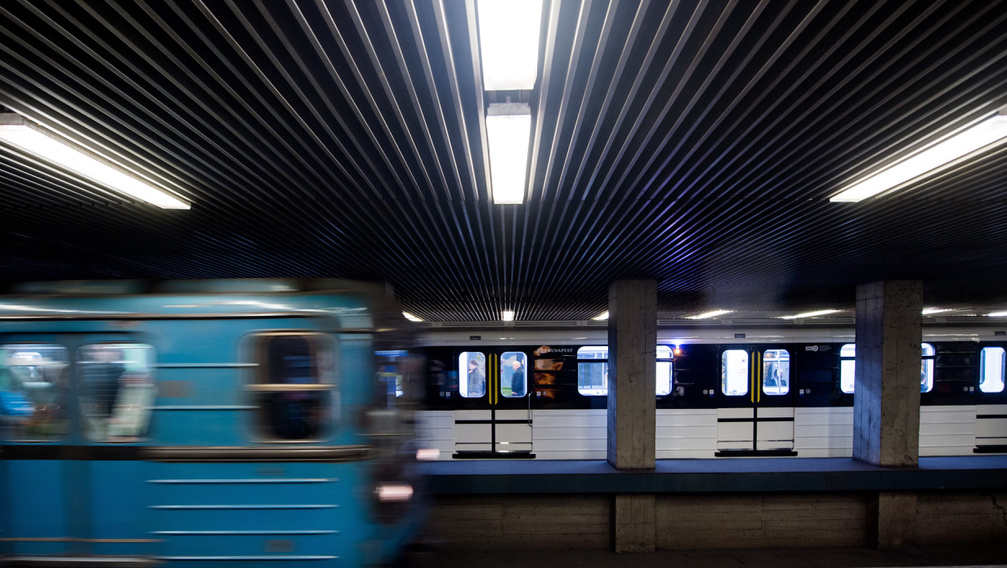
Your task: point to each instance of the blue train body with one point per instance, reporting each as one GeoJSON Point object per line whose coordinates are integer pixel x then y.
{"type": "Point", "coordinates": [250, 421]}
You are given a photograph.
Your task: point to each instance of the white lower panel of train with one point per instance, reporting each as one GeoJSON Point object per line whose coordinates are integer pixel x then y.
{"type": "Point", "coordinates": [684, 434]}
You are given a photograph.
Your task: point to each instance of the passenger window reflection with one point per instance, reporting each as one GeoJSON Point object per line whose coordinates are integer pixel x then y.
{"type": "Point", "coordinates": [117, 390]}
{"type": "Point", "coordinates": [34, 392]}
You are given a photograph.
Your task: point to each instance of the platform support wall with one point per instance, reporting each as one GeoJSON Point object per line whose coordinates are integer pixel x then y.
{"type": "Point", "coordinates": [632, 414]}
{"type": "Point", "coordinates": [886, 403]}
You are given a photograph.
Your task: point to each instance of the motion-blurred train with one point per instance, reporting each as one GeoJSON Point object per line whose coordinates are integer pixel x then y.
{"type": "Point", "coordinates": [720, 392]}
{"type": "Point", "coordinates": [206, 422]}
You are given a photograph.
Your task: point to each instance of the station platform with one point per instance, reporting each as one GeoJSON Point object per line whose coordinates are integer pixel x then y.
{"type": "Point", "coordinates": [722, 475]}
{"type": "Point", "coordinates": [781, 512]}
{"type": "Point", "coordinates": [960, 555]}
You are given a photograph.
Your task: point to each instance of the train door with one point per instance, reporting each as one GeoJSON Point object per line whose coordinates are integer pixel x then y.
{"type": "Point", "coordinates": [991, 400]}
{"type": "Point", "coordinates": [494, 416]}
{"type": "Point", "coordinates": [73, 474]}
{"type": "Point", "coordinates": [755, 414]}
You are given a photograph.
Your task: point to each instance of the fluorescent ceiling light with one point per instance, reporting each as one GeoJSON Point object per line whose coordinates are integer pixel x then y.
{"type": "Point", "coordinates": [990, 131]}
{"type": "Point", "coordinates": [508, 128]}
{"type": "Point", "coordinates": [932, 311]}
{"type": "Point", "coordinates": [601, 317]}
{"type": "Point", "coordinates": [508, 43]}
{"type": "Point", "coordinates": [507, 315]}
{"type": "Point", "coordinates": [997, 314]}
{"type": "Point", "coordinates": [411, 317]}
{"type": "Point", "coordinates": [810, 314]}
{"type": "Point", "coordinates": [18, 132]}
{"type": "Point", "coordinates": [709, 315]}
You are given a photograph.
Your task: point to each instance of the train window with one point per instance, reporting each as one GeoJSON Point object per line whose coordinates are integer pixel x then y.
{"type": "Point", "coordinates": [513, 378]}
{"type": "Point", "coordinates": [991, 369]}
{"type": "Point", "coordinates": [664, 370]}
{"type": "Point", "coordinates": [847, 367]}
{"type": "Point", "coordinates": [294, 385]}
{"type": "Point", "coordinates": [927, 368]}
{"type": "Point", "coordinates": [34, 391]}
{"type": "Point", "coordinates": [472, 380]}
{"type": "Point", "coordinates": [776, 372]}
{"type": "Point", "coordinates": [734, 372]}
{"type": "Point", "coordinates": [592, 370]}
{"type": "Point", "coordinates": [116, 390]}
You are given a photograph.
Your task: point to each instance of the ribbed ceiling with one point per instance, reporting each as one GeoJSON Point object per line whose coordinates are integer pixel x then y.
{"type": "Point", "coordinates": [696, 143]}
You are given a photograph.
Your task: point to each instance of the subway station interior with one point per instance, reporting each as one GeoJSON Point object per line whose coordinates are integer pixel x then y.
{"type": "Point", "coordinates": [646, 249]}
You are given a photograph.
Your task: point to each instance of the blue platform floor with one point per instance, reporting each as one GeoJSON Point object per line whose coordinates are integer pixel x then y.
{"type": "Point", "coordinates": [988, 554]}
{"type": "Point", "coordinates": [713, 475]}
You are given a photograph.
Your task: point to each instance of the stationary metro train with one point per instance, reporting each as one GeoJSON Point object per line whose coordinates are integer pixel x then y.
{"type": "Point", "coordinates": [720, 392]}
{"type": "Point", "coordinates": [261, 422]}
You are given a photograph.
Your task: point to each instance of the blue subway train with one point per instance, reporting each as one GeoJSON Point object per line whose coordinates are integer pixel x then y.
{"type": "Point", "coordinates": [720, 392]}
{"type": "Point", "coordinates": [251, 422]}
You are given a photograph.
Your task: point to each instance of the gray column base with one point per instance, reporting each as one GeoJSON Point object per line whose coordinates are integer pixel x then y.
{"type": "Point", "coordinates": [892, 516]}
{"type": "Point", "coordinates": [635, 523]}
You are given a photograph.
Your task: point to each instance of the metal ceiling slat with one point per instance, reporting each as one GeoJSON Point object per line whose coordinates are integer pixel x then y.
{"type": "Point", "coordinates": [281, 120]}
{"type": "Point", "coordinates": [354, 152]}
{"type": "Point", "coordinates": [531, 229]}
{"type": "Point", "coordinates": [691, 70]}
{"type": "Point", "coordinates": [377, 143]}
{"type": "Point", "coordinates": [671, 60]}
{"type": "Point", "coordinates": [748, 123]}
{"type": "Point", "coordinates": [708, 103]}
{"type": "Point", "coordinates": [482, 231]}
{"type": "Point", "coordinates": [390, 94]}
{"type": "Point", "coordinates": [808, 118]}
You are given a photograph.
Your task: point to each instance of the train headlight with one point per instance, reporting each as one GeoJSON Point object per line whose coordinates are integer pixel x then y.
{"type": "Point", "coordinates": [427, 454]}
{"type": "Point", "coordinates": [393, 492]}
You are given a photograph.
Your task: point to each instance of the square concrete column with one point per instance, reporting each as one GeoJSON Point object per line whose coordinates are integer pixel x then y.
{"type": "Point", "coordinates": [632, 373]}
{"type": "Point", "coordinates": [632, 406]}
{"type": "Point", "coordinates": [886, 399]}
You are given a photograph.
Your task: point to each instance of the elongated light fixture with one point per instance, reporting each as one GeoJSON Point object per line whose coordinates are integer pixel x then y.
{"type": "Point", "coordinates": [508, 43]}
{"type": "Point", "coordinates": [15, 130]}
{"type": "Point", "coordinates": [986, 133]}
{"type": "Point", "coordinates": [601, 317]}
{"type": "Point", "coordinates": [507, 315]}
{"type": "Point", "coordinates": [810, 314]}
{"type": "Point", "coordinates": [508, 129]}
{"type": "Point", "coordinates": [411, 317]}
{"type": "Point", "coordinates": [709, 315]}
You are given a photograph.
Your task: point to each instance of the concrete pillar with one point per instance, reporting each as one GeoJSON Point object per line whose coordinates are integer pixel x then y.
{"type": "Point", "coordinates": [632, 373]}
{"type": "Point", "coordinates": [886, 400]}
{"type": "Point", "coordinates": [632, 414]}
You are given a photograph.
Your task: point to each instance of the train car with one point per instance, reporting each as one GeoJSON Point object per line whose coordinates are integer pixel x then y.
{"type": "Point", "coordinates": [194, 423]}
{"type": "Point", "coordinates": [720, 392]}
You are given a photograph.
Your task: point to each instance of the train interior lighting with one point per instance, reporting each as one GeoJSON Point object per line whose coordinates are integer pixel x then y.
{"type": "Point", "coordinates": [508, 43]}
{"type": "Point", "coordinates": [997, 314]}
{"type": "Point", "coordinates": [943, 153]}
{"type": "Point", "coordinates": [601, 317]}
{"type": "Point", "coordinates": [15, 130]}
{"type": "Point", "coordinates": [411, 317]}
